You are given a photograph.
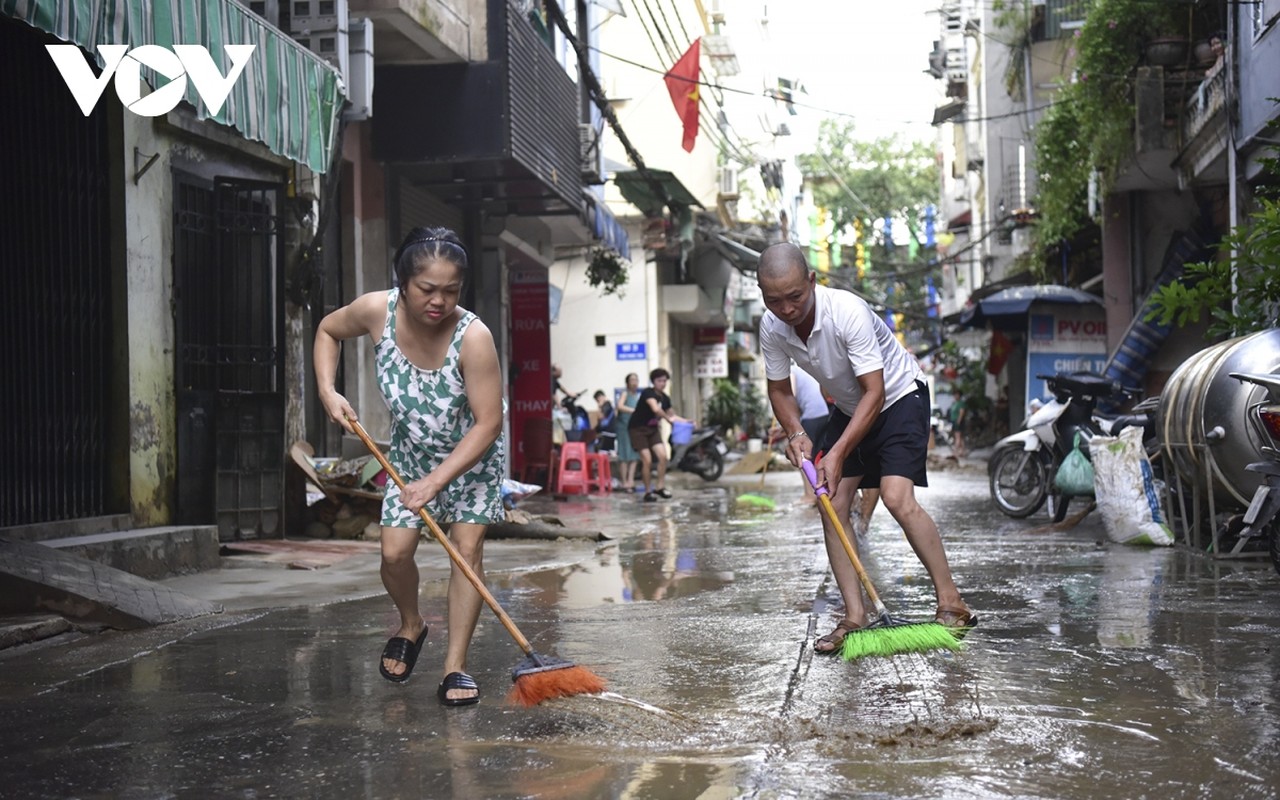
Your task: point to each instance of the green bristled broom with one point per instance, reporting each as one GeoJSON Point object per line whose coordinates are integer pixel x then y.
{"type": "Point", "coordinates": [887, 636]}
{"type": "Point", "coordinates": [756, 500]}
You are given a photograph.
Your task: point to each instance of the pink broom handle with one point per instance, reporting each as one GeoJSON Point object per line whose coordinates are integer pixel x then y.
{"type": "Point", "coordinates": [811, 473]}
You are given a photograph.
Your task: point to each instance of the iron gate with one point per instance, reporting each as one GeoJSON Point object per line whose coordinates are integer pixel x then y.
{"type": "Point", "coordinates": [229, 309]}
{"type": "Point", "coordinates": [56, 347]}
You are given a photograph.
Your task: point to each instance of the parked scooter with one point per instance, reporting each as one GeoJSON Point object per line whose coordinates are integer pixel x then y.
{"type": "Point", "coordinates": [941, 427]}
{"type": "Point", "coordinates": [703, 454]}
{"type": "Point", "coordinates": [580, 420]}
{"type": "Point", "coordinates": [1024, 464]}
{"type": "Point", "coordinates": [1261, 522]}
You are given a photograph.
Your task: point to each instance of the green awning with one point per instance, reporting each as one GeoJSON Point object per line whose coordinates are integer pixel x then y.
{"type": "Point", "coordinates": [637, 191]}
{"type": "Point", "coordinates": [288, 98]}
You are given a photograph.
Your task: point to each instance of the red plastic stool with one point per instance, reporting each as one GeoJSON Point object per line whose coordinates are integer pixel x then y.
{"type": "Point", "coordinates": [574, 463]}
{"type": "Point", "coordinates": [600, 480]}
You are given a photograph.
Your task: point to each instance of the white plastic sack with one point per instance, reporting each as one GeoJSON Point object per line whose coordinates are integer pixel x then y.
{"type": "Point", "coordinates": [1126, 490]}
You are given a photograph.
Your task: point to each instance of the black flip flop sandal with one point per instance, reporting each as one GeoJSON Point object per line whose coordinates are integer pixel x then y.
{"type": "Point", "coordinates": [403, 650]}
{"type": "Point", "coordinates": [457, 680]}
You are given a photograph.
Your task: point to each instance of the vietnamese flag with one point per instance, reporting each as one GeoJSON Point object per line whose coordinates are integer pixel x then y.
{"type": "Point", "coordinates": [682, 83]}
{"type": "Point", "coordinates": [1001, 348]}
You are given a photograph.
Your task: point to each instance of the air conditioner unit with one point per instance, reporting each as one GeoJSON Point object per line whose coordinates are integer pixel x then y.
{"type": "Point", "coordinates": [360, 70]}
{"type": "Point", "coordinates": [589, 150]}
{"type": "Point", "coordinates": [727, 179]}
{"type": "Point", "coordinates": [267, 9]}
{"type": "Point", "coordinates": [310, 17]}
{"type": "Point", "coordinates": [322, 27]}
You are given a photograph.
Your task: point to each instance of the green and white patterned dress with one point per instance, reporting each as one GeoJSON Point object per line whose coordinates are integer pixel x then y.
{"type": "Point", "coordinates": [429, 416]}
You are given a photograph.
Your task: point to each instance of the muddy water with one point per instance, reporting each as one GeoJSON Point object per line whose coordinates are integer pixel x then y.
{"type": "Point", "coordinates": [1096, 671]}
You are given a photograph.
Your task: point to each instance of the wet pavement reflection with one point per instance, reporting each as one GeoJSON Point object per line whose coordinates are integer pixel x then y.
{"type": "Point", "coordinates": [1097, 671]}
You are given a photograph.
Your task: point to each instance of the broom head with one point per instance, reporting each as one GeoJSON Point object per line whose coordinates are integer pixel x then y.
{"type": "Point", "coordinates": [538, 677]}
{"type": "Point", "coordinates": [890, 637]}
{"type": "Point", "coordinates": [757, 501]}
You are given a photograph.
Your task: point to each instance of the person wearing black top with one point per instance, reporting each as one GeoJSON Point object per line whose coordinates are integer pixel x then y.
{"type": "Point", "coordinates": [605, 434]}
{"type": "Point", "coordinates": [646, 437]}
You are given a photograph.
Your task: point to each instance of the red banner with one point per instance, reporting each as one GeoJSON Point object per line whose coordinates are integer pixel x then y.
{"type": "Point", "coordinates": [530, 356]}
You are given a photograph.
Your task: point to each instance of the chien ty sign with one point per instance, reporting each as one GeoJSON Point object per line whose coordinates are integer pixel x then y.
{"type": "Point", "coordinates": [184, 62]}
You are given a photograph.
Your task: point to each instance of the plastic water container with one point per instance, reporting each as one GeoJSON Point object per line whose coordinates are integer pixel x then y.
{"type": "Point", "coordinates": [681, 432]}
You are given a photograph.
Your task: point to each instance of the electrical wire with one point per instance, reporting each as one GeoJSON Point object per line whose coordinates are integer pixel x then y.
{"type": "Point", "coordinates": [712, 132]}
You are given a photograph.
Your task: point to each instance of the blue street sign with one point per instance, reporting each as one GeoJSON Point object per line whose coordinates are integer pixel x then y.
{"type": "Point", "coordinates": [629, 351]}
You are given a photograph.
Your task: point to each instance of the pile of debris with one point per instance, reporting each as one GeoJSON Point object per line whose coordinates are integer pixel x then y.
{"type": "Point", "coordinates": [344, 501]}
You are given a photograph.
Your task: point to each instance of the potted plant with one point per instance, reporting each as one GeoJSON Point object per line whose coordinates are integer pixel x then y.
{"type": "Point", "coordinates": [724, 407]}
{"type": "Point", "coordinates": [607, 271]}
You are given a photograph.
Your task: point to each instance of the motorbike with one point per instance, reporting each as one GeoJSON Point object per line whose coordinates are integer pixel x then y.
{"type": "Point", "coordinates": [1261, 521]}
{"type": "Point", "coordinates": [941, 427]}
{"type": "Point", "coordinates": [1023, 465]}
{"type": "Point", "coordinates": [580, 420]}
{"type": "Point", "coordinates": [703, 454]}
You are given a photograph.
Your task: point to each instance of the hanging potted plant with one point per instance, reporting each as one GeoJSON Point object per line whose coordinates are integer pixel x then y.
{"type": "Point", "coordinates": [607, 271]}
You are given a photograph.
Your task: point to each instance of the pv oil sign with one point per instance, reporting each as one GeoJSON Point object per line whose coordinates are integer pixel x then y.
{"type": "Point", "coordinates": [1064, 339]}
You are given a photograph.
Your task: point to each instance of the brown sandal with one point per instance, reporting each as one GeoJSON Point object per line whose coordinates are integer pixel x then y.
{"type": "Point", "coordinates": [836, 638]}
{"type": "Point", "coordinates": [955, 617]}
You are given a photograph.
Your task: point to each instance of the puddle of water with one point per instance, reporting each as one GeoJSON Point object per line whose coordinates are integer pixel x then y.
{"type": "Point", "coordinates": [664, 561]}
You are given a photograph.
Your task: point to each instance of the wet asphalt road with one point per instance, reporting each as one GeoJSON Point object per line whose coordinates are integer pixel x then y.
{"type": "Point", "coordinates": [1098, 670]}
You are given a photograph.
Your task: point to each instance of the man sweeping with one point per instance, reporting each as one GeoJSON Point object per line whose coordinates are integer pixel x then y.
{"type": "Point", "coordinates": [878, 432]}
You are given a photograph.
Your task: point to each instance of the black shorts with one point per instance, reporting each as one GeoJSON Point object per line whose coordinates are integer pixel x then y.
{"type": "Point", "coordinates": [896, 444]}
{"type": "Point", "coordinates": [814, 426]}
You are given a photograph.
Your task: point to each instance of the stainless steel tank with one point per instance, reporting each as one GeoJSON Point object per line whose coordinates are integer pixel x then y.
{"type": "Point", "coordinates": [1202, 420]}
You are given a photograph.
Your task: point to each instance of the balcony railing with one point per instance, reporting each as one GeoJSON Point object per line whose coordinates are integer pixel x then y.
{"type": "Point", "coordinates": [1208, 99]}
{"type": "Point", "coordinates": [1061, 17]}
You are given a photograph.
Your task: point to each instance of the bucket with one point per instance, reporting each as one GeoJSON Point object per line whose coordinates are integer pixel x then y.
{"type": "Point", "coordinates": [681, 432]}
{"type": "Point", "coordinates": [753, 445]}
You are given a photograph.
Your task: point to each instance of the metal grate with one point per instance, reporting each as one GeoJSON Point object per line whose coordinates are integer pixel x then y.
{"type": "Point", "coordinates": [230, 370]}
{"type": "Point", "coordinates": [56, 330]}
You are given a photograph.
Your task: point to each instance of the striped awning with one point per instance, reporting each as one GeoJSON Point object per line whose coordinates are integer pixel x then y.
{"type": "Point", "coordinates": [288, 98]}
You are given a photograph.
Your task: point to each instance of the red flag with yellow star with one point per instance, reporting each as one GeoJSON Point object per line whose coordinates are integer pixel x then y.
{"type": "Point", "coordinates": [682, 83]}
{"type": "Point", "coordinates": [1001, 349]}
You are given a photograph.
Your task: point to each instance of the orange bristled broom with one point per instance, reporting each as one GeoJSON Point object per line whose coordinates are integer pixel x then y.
{"type": "Point", "coordinates": [537, 677]}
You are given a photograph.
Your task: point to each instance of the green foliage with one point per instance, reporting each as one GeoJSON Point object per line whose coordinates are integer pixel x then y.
{"type": "Point", "coordinates": [869, 179]}
{"type": "Point", "coordinates": [756, 414]}
{"type": "Point", "coordinates": [724, 406]}
{"type": "Point", "coordinates": [1207, 287]}
{"type": "Point", "coordinates": [607, 271]}
{"type": "Point", "coordinates": [731, 407]}
{"type": "Point", "coordinates": [1064, 164]}
{"type": "Point", "coordinates": [890, 177]}
{"type": "Point", "coordinates": [968, 375]}
{"type": "Point", "coordinates": [1090, 126]}
{"type": "Point", "coordinates": [1013, 30]}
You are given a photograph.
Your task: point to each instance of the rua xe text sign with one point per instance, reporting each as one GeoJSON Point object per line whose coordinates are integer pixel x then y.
{"type": "Point", "coordinates": [184, 62]}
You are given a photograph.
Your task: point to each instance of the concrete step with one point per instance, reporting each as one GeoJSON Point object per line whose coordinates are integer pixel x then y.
{"type": "Point", "coordinates": [34, 577]}
{"type": "Point", "coordinates": [16, 629]}
{"type": "Point", "coordinates": [65, 528]}
{"type": "Point", "coordinates": [151, 553]}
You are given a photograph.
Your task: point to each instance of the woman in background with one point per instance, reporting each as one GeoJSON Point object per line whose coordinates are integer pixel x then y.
{"type": "Point", "coordinates": [627, 455]}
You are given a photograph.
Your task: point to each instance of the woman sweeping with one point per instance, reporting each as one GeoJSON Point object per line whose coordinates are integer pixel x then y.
{"type": "Point", "coordinates": [437, 366]}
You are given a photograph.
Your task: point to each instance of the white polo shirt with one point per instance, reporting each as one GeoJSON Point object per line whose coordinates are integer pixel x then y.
{"type": "Point", "coordinates": [848, 340]}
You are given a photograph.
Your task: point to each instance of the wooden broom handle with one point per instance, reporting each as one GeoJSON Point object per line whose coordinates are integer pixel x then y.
{"type": "Point", "coordinates": [811, 474]}
{"type": "Point", "coordinates": [448, 546]}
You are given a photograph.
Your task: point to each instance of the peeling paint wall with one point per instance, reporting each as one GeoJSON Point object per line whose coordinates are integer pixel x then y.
{"type": "Point", "coordinates": [149, 290]}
